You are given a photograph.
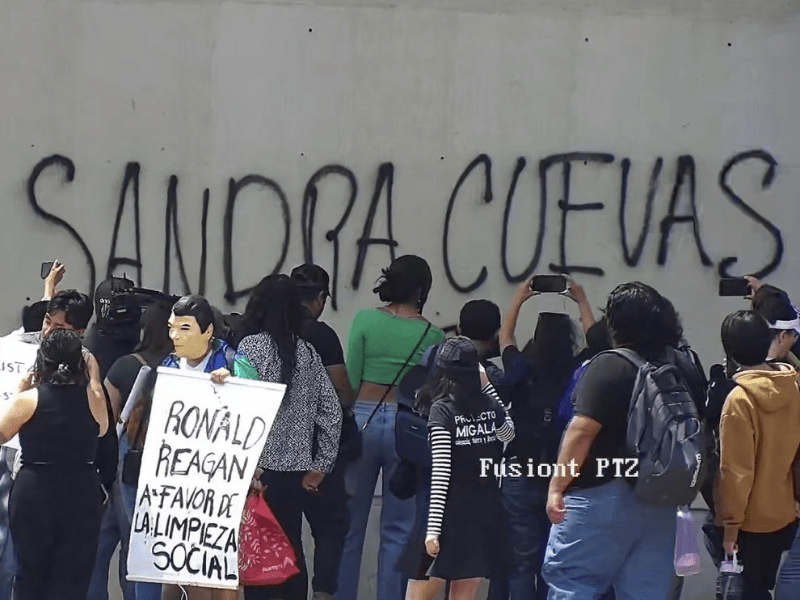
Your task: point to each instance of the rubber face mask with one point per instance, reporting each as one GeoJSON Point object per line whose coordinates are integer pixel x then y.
{"type": "Point", "coordinates": [190, 343]}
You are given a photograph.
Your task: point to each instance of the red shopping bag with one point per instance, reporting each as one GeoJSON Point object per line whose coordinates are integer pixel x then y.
{"type": "Point", "coordinates": [265, 555]}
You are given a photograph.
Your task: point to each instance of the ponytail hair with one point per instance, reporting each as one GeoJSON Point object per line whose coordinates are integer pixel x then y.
{"type": "Point", "coordinates": [60, 359]}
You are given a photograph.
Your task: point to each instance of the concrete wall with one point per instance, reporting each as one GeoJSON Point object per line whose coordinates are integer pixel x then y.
{"type": "Point", "coordinates": [262, 96]}
{"type": "Point", "coordinates": [367, 116]}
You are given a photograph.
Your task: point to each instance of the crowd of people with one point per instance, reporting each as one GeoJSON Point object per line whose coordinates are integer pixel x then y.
{"type": "Point", "coordinates": [512, 483]}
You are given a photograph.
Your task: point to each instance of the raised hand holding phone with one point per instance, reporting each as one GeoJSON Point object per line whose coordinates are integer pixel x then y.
{"type": "Point", "coordinates": [52, 277]}
{"type": "Point", "coordinates": [553, 284]}
{"type": "Point", "coordinates": [734, 286]}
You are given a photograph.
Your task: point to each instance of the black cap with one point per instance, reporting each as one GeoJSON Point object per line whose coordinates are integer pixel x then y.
{"type": "Point", "coordinates": [457, 354]}
{"type": "Point", "coordinates": [311, 277]}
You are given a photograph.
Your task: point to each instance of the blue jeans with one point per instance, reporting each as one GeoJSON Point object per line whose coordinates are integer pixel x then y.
{"type": "Point", "coordinates": [143, 590]}
{"type": "Point", "coordinates": [525, 501]}
{"type": "Point", "coordinates": [8, 561]}
{"type": "Point", "coordinates": [397, 516]}
{"type": "Point", "coordinates": [788, 585]}
{"type": "Point", "coordinates": [115, 529]}
{"type": "Point", "coordinates": [611, 538]}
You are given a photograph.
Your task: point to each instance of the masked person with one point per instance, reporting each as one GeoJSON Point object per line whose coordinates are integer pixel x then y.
{"type": "Point", "coordinates": [191, 329]}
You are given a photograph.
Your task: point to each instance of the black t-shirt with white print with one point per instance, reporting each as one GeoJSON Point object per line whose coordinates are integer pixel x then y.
{"type": "Point", "coordinates": [462, 434]}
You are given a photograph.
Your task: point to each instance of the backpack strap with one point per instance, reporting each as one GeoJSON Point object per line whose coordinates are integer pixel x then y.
{"type": "Point", "coordinates": [396, 377]}
{"type": "Point", "coordinates": [631, 356]}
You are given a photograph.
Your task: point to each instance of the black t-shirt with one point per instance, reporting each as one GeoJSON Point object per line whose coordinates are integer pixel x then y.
{"type": "Point", "coordinates": [603, 393]}
{"type": "Point", "coordinates": [107, 348]}
{"type": "Point", "coordinates": [324, 340]}
{"type": "Point", "coordinates": [472, 426]}
{"type": "Point", "coordinates": [122, 375]}
{"type": "Point", "coordinates": [534, 397]}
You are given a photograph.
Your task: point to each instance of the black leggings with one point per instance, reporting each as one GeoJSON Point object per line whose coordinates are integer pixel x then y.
{"type": "Point", "coordinates": [55, 515]}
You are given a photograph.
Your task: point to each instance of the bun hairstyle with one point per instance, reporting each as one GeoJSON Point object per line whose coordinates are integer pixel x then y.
{"type": "Point", "coordinates": [60, 359]}
{"type": "Point", "coordinates": [406, 277]}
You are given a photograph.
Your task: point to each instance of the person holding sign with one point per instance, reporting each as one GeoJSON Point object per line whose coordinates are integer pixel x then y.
{"type": "Point", "coordinates": [304, 440]}
{"type": "Point", "coordinates": [55, 509]}
{"type": "Point", "coordinates": [191, 328]}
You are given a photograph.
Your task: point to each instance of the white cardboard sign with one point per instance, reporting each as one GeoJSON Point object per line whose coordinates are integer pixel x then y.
{"type": "Point", "coordinates": [16, 359]}
{"type": "Point", "coordinates": [203, 445]}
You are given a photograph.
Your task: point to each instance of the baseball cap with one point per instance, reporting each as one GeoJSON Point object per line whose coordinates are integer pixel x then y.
{"type": "Point", "coordinates": [311, 277]}
{"type": "Point", "coordinates": [457, 354]}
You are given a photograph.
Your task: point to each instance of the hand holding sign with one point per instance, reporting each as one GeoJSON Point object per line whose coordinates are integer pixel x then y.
{"type": "Point", "coordinates": [16, 360]}
{"type": "Point", "coordinates": [203, 444]}
{"type": "Point", "coordinates": [27, 382]}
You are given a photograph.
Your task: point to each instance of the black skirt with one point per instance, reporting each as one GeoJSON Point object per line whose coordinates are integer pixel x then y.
{"type": "Point", "coordinates": [473, 542]}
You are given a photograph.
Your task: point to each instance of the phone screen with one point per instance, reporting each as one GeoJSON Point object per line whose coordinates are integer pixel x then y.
{"type": "Point", "coordinates": [549, 283]}
{"type": "Point", "coordinates": [735, 286]}
{"type": "Point", "coordinates": [45, 270]}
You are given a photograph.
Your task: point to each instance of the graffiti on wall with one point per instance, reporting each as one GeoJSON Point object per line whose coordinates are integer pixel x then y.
{"type": "Point", "coordinates": [632, 237]}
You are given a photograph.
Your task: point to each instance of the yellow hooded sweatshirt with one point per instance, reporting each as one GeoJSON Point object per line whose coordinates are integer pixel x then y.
{"type": "Point", "coordinates": [759, 441]}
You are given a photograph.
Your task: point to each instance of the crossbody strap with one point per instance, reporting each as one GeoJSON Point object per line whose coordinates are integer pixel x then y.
{"type": "Point", "coordinates": [396, 377]}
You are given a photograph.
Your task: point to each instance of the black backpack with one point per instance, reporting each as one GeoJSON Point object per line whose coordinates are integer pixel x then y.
{"type": "Point", "coordinates": [665, 432]}
{"type": "Point", "coordinates": [107, 454]}
{"type": "Point", "coordinates": [411, 425]}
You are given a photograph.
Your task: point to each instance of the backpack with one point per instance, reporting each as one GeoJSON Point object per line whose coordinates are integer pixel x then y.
{"type": "Point", "coordinates": [410, 425]}
{"type": "Point", "coordinates": [664, 432]}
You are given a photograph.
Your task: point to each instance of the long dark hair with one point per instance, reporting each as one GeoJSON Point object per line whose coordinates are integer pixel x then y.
{"type": "Point", "coordinates": [60, 359]}
{"type": "Point", "coordinates": [551, 351]}
{"type": "Point", "coordinates": [274, 308]}
{"type": "Point", "coordinates": [156, 343]}
{"type": "Point", "coordinates": [139, 418]}
{"type": "Point", "coordinates": [447, 386]}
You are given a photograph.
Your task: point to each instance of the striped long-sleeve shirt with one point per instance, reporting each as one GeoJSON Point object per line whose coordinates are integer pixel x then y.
{"type": "Point", "coordinates": [451, 432]}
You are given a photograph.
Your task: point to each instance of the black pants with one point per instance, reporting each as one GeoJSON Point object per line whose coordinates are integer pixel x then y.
{"type": "Point", "coordinates": [55, 516]}
{"type": "Point", "coordinates": [287, 499]}
{"type": "Point", "coordinates": [326, 513]}
{"type": "Point", "coordinates": [760, 554]}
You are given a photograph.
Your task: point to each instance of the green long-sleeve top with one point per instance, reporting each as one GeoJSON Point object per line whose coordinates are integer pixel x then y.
{"type": "Point", "coordinates": [380, 343]}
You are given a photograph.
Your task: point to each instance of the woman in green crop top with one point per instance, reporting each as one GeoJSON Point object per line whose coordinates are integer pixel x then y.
{"type": "Point", "coordinates": [381, 340]}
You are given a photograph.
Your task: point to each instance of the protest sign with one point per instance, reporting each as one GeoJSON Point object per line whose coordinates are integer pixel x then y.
{"type": "Point", "coordinates": [203, 445]}
{"type": "Point", "coordinates": [16, 359]}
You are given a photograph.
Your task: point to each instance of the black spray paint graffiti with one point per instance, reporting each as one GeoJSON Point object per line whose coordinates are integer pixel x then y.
{"type": "Point", "coordinates": [685, 184]}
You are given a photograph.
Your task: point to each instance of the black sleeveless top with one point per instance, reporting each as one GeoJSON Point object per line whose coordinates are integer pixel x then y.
{"type": "Point", "coordinates": [62, 430]}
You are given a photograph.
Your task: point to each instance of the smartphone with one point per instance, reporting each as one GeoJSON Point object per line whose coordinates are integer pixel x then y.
{"type": "Point", "coordinates": [734, 286]}
{"type": "Point", "coordinates": [45, 270]}
{"type": "Point", "coordinates": [549, 283]}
